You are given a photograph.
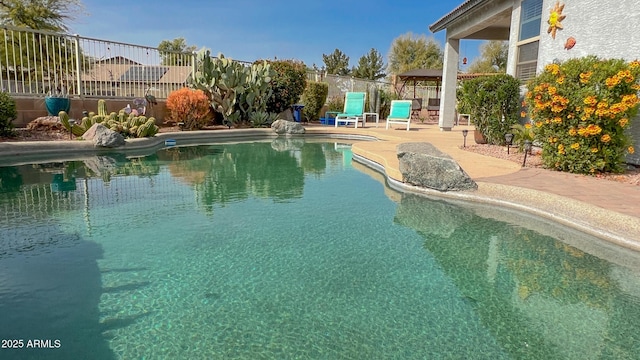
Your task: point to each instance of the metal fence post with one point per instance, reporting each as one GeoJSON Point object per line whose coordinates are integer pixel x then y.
{"type": "Point", "coordinates": [194, 58]}
{"type": "Point", "coordinates": [78, 69]}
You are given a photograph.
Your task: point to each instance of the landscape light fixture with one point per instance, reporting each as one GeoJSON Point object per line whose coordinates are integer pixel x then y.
{"type": "Point", "coordinates": [464, 137]}
{"type": "Point", "coordinates": [508, 138]}
{"type": "Point", "coordinates": [527, 149]}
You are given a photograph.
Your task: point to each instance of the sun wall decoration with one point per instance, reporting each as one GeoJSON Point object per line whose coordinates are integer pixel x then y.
{"type": "Point", "coordinates": [555, 18]}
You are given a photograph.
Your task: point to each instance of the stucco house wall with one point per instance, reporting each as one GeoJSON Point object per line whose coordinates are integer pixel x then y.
{"type": "Point", "coordinates": [608, 29]}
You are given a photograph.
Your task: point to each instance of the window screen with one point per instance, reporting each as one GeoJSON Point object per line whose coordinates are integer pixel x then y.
{"type": "Point", "coordinates": [527, 61]}
{"type": "Point", "coordinates": [530, 17]}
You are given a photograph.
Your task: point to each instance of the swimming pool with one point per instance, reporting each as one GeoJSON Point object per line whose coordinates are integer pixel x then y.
{"type": "Point", "coordinates": [287, 249]}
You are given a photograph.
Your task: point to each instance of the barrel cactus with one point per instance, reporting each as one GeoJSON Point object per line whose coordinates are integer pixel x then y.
{"type": "Point", "coordinates": [129, 125]}
{"type": "Point", "coordinates": [102, 108]}
{"type": "Point", "coordinates": [76, 129]}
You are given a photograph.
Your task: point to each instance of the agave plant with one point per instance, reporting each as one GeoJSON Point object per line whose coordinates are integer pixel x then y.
{"type": "Point", "coordinates": [262, 118]}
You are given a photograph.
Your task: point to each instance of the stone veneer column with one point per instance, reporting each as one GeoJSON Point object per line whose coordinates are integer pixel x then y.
{"type": "Point", "coordinates": [449, 84]}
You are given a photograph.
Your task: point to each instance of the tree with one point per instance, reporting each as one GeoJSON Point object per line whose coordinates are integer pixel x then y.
{"type": "Point", "coordinates": [336, 63]}
{"type": "Point", "coordinates": [51, 15]}
{"type": "Point", "coordinates": [287, 84]}
{"type": "Point", "coordinates": [493, 58]}
{"type": "Point", "coordinates": [54, 55]}
{"type": "Point", "coordinates": [370, 66]}
{"type": "Point", "coordinates": [172, 52]}
{"type": "Point", "coordinates": [411, 51]}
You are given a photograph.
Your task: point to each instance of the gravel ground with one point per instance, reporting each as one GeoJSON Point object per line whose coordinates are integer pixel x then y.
{"type": "Point", "coordinates": [631, 176]}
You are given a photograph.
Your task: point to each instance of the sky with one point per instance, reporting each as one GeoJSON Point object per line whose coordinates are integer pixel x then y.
{"type": "Point", "coordinates": [249, 30]}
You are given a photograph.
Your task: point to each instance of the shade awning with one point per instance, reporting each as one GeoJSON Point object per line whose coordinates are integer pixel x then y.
{"type": "Point", "coordinates": [421, 75]}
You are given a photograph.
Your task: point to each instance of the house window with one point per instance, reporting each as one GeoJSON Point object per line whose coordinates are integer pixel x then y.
{"type": "Point", "coordinates": [528, 38]}
{"type": "Point", "coordinates": [530, 18]}
{"type": "Point", "coordinates": [527, 60]}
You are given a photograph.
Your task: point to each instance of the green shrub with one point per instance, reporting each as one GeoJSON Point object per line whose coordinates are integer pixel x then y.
{"type": "Point", "coordinates": [580, 110]}
{"type": "Point", "coordinates": [287, 84]}
{"type": "Point", "coordinates": [335, 103]}
{"type": "Point", "coordinates": [522, 133]}
{"type": "Point", "coordinates": [385, 102]}
{"type": "Point", "coordinates": [494, 105]}
{"type": "Point", "coordinates": [463, 106]}
{"type": "Point", "coordinates": [313, 98]}
{"type": "Point", "coordinates": [8, 113]}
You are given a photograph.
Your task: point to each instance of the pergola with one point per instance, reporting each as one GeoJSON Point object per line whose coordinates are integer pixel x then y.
{"type": "Point", "coordinates": [418, 75]}
{"type": "Point", "coordinates": [434, 75]}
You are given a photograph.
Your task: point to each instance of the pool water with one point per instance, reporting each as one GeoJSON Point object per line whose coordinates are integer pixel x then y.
{"type": "Point", "coordinates": [286, 250]}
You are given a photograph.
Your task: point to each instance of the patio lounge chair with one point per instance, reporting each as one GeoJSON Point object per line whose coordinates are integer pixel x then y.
{"type": "Point", "coordinates": [433, 108]}
{"type": "Point", "coordinates": [400, 113]}
{"type": "Point", "coordinates": [416, 108]}
{"type": "Point", "coordinates": [353, 109]}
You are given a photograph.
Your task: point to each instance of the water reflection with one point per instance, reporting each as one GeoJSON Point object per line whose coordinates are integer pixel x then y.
{"type": "Point", "coordinates": [540, 297]}
{"type": "Point", "coordinates": [217, 174]}
{"type": "Point", "coordinates": [10, 180]}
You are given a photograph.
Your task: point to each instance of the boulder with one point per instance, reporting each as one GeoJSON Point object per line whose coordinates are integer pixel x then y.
{"type": "Point", "coordinates": [285, 127]}
{"type": "Point", "coordinates": [286, 115]}
{"type": "Point", "coordinates": [103, 136]}
{"type": "Point", "coordinates": [422, 164]}
{"type": "Point", "coordinates": [45, 123]}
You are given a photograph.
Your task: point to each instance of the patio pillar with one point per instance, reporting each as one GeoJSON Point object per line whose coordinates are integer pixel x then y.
{"type": "Point", "coordinates": [449, 82]}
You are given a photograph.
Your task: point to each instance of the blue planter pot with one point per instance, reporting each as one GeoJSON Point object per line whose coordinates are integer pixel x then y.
{"type": "Point", "coordinates": [56, 104]}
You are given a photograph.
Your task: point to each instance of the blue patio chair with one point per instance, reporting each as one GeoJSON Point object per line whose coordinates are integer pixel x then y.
{"type": "Point", "coordinates": [353, 109]}
{"type": "Point", "coordinates": [400, 113]}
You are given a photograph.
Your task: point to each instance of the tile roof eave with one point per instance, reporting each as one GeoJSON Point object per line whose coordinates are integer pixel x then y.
{"type": "Point", "coordinates": [462, 9]}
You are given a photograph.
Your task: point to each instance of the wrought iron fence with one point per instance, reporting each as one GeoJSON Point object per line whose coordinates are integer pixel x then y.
{"type": "Point", "coordinates": [43, 63]}
{"type": "Point", "coordinates": [40, 63]}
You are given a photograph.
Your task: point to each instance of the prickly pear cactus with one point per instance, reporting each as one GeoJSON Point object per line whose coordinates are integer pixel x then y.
{"type": "Point", "coordinates": [257, 89]}
{"type": "Point", "coordinates": [221, 78]}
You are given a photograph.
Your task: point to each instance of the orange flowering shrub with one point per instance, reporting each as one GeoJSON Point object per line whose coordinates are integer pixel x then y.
{"type": "Point", "coordinates": [189, 106]}
{"type": "Point", "coordinates": [580, 110]}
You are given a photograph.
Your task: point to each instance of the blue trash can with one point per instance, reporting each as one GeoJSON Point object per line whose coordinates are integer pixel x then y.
{"type": "Point", "coordinates": [297, 112]}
